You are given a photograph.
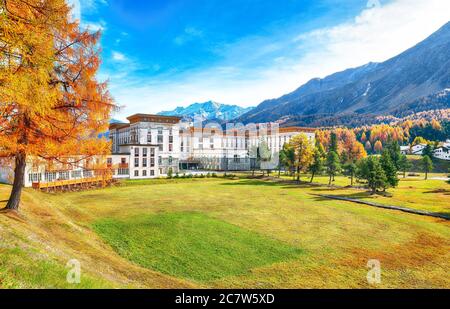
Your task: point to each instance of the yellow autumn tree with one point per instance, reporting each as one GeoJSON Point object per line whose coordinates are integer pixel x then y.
{"type": "Point", "coordinates": [304, 152]}
{"type": "Point", "coordinates": [436, 125]}
{"type": "Point", "coordinates": [378, 147]}
{"type": "Point", "coordinates": [50, 102]}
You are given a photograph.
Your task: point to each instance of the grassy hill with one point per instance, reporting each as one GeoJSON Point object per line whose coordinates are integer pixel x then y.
{"type": "Point", "coordinates": [439, 166]}
{"type": "Point", "coordinates": [223, 233]}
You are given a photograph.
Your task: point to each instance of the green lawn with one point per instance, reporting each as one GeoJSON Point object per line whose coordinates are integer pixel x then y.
{"type": "Point", "coordinates": [192, 245]}
{"type": "Point", "coordinates": [244, 233]}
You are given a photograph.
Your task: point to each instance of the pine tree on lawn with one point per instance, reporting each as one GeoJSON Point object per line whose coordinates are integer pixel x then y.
{"type": "Point", "coordinates": [334, 146]}
{"type": "Point", "coordinates": [427, 166]}
{"type": "Point", "coordinates": [317, 165]}
{"type": "Point", "coordinates": [428, 151]}
{"type": "Point", "coordinates": [350, 170]}
{"type": "Point", "coordinates": [333, 165]}
{"type": "Point", "coordinates": [404, 164]}
{"type": "Point", "coordinates": [389, 169]}
{"type": "Point", "coordinates": [370, 169]}
{"type": "Point", "coordinates": [395, 153]}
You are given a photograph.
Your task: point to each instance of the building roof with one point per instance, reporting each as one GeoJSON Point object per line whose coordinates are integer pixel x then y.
{"type": "Point", "coordinates": [118, 125]}
{"type": "Point", "coordinates": [153, 118]}
{"type": "Point", "coordinates": [141, 145]}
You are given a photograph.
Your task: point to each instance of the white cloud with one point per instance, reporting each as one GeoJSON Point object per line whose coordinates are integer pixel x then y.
{"type": "Point", "coordinates": [376, 34]}
{"type": "Point", "coordinates": [76, 9]}
{"type": "Point", "coordinates": [117, 56]}
{"type": "Point", "coordinates": [188, 34]}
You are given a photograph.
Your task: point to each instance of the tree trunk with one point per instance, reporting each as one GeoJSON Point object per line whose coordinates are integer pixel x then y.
{"type": "Point", "coordinates": [404, 174]}
{"type": "Point", "coordinates": [426, 175]}
{"type": "Point", "coordinates": [298, 173]}
{"type": "Point", "coordinates": [351, 180]}
{"type": "Point", "coordinates": [312, 177]}
{"type": "Point", "coordinates": [19, 174]}
{"type": "Point", "coordinates": [329, 183]}
{"type": "Point", "coordinates": [279, 172]}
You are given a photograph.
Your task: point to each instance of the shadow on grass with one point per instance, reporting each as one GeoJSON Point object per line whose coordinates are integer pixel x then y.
{"type": "Point", "coordinates": [356, 195]}
{"type": "Point", "coordinates": [269, 183]}
{"type": "Point", "coordinates": [442, 191]}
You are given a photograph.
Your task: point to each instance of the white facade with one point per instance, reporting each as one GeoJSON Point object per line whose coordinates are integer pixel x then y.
{"type": "Point", "coordinates": [405, 149]}
{"type": "Point", "coordinates": [418, 149]}
{"type": "Point", "coordinates": [443, 152]}
{"type": "Point", "coordinates": [181, 146]}
{"type": "Point", "coordinates": [150, 146]}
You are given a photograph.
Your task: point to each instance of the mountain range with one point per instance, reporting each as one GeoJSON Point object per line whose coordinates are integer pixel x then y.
{"type": "Point", "coordinates": [416, 80]}
{"type": "Point", "coordinates": [212, 111]}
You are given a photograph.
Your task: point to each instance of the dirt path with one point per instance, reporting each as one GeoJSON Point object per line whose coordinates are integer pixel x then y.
{"type": "Point", "coordinates": [404, 209]}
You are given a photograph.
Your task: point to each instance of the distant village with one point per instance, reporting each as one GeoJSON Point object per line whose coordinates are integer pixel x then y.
{"type": "Point", "coordinates": [441, 152]}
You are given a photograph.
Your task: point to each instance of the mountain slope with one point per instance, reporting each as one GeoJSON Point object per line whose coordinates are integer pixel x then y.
{"type": "Point", "coordinates": [208, 111]}
{"type": "Point", "coordinates": [413, 81]}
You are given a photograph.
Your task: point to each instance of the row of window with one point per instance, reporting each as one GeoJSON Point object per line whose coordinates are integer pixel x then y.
{"type": "Point", "coordinates": [145, 162]}
{"type": "Point", "coordinates": [143, 173]}
{"type": "Point", "coordinates": [137, 152]}
{"type": "Point", "coordinates": [63, 175]}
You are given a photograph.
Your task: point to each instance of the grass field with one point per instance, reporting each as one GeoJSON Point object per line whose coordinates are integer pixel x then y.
{"type": "Point", "coordinates": [246, 233]}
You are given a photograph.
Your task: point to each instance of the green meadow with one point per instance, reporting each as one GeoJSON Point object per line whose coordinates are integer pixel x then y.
{"type": "Point", "coordinates": [226, 233]}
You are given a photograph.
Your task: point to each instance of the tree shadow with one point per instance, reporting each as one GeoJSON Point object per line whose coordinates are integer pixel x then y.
{"type": "Point", "coordinates": [356, 195]}
{"type": "Point", "coordinates": [284, 184]}
{"type": "Point", "coordinates": [442, 191]}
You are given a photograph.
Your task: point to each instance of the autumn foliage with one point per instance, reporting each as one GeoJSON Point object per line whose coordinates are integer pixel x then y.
{"type": "Point", "coordinates": [51, 103]}
{"type": "Point", "coordinates": [349, 148]}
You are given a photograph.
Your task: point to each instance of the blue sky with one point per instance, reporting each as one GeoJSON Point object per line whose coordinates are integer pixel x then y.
{"type": "Point", "coordinates": [161, 54]}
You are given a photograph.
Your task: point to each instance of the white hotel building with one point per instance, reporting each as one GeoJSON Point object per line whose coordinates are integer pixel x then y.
{"type": "Point", "coordinates": [148, 146]}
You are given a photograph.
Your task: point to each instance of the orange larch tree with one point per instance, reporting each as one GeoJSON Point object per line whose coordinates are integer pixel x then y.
{"type": "Point", "coordinates": [51, 104]}
{"type": "Point", "coordinates": [378, 147]}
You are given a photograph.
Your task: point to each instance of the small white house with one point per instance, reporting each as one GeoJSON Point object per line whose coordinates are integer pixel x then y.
{"type": "Point", "coordinates": [405, 149]}
{"type": "Point", "coordinates": [442, 152]}
{"type": "Point", "coordinates": [418, 149]}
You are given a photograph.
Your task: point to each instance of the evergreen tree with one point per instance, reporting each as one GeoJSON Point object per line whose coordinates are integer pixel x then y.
{"type": "Point", "coordinates": [389, 169]}
{"type": "Point", "coordinates": [334, 146]}
{"type": "Point", "coordinates": [427, 165]}
{"type": "Point", "coordinates": [317, 165]}
{"type": "Point", "coordinates": [286, 159]}
{"type": "Point", "coordinates": [333, 143]}
{"type": "Point", "coordinates": [395, 153]}
{"type": "Point", "coordinates": [404, 164]}
{"type": "Point", "coordinates": [370, 169]}
{"type": "Point", "coordinates": [428, 151]}
{"type": "Point", "coordinates": [333, 165]}
{"type": "Point", "coordinates": [350, 170]}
